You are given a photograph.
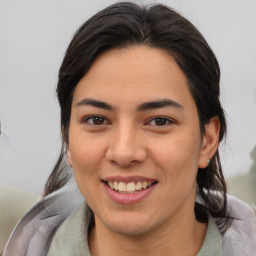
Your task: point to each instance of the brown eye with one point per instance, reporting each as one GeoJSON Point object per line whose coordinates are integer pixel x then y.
{"type": "Point", "coordinates": [95, 120]}
{"type": "Point", "coordinates": [160, 121]}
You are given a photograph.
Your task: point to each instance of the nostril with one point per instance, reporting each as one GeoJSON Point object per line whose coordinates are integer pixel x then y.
{"type": "Point", "coordinates": [126, 157]}
{"type": "Point", "coordinates": [125, 164]}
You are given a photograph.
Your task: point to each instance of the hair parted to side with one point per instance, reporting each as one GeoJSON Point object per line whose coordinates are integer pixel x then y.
{"type": "Point", "coordinates": [127, 24]}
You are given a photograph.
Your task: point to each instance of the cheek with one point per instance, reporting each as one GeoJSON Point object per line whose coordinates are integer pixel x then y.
{"type": "Point", "coordinates": [85, 164]}
{"type": "Point", "coordinates": [86, 154]}
{"type": "Point", "coordinates": [178, 156]}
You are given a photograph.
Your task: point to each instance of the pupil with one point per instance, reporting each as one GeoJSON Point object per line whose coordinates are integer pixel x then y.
{"type": "Point", "coordinates": [160, 121]}
{"type": "Point", "coordinates": [98, 120]}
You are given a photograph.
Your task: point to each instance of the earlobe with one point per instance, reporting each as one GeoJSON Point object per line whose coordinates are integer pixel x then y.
{"type": "Point", "coordinates": [210, 142]}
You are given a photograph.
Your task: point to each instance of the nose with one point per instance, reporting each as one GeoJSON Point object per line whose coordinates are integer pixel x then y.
{"type": "Point", "coordinates": [126, 147]}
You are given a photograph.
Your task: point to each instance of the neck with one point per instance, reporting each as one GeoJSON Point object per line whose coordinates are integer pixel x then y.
{"type": "Point", "coordinates": [166, 240]}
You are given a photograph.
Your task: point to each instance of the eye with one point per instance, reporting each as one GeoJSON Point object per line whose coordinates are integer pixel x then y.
{"type": "Point", "coordinates": [95, 120]}
{"type": "Point", "coordinates": [160, 121]}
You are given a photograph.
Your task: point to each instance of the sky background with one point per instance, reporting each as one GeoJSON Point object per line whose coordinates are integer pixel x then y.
{"type": "Point", "coordinates": [34, 35]}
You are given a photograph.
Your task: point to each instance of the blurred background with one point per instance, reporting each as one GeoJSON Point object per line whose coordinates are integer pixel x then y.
{"type": "Point", "coordinates": [34, 35]}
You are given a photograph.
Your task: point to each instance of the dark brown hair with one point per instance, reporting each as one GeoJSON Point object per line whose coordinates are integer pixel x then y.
{"type": "Point", "coordinates": [127, 24]}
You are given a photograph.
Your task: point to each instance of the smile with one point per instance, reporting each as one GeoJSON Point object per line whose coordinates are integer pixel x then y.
{"type": "Point", "coordinates": [128, 190]}
{"type": "Point", "coordinates": [130, 187]}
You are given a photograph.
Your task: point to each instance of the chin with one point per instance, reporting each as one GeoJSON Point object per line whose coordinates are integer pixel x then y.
{"type": "Point", "coordinates": [130, 224]}
{"type": "Point", "coordinates": [130, 229]}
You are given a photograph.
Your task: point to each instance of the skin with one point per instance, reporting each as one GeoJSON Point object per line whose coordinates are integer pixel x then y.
{"type": "Point", "coordinates": [127, 141]}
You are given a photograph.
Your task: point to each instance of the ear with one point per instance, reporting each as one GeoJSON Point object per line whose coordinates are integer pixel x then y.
{"type": "Point", "coordinates": [210, 142]}
{"type": "Point", "coordinates": [69, 158]}
{"type": "Point", "coordinates": [69, 155]}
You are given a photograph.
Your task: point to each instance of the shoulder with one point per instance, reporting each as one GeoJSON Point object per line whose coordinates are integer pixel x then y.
{"type": "Point", "coordinates": [71, 237]}
{"type": "Point", "coordinates": [240, 238]}
{"type": "Point", "coordinates": [33, 234]}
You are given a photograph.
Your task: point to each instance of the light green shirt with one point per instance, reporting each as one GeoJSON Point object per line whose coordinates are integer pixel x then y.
{"type": "Point", "coordinates": [212, 245]}
{"type": "Point", "coordinates": [71, 238]}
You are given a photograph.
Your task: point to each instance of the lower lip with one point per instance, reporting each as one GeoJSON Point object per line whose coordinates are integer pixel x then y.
{"type": "Point", "coordinates": [132, 198]}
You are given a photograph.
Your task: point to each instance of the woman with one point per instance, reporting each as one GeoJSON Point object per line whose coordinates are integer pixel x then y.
{"type": "Point", "coordinates": [141, 122]}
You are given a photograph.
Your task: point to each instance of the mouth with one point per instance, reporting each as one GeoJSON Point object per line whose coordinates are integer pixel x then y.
{"type": "Point", "coordinates": [131, 187]}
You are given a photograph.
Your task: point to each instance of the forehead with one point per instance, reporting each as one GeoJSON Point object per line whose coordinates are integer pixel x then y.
{"type": "Point", "coordinates": [137, 73]}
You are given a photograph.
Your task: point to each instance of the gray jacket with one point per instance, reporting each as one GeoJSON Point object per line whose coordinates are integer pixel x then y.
{"type": "Point", "coordinates": [34, 233]}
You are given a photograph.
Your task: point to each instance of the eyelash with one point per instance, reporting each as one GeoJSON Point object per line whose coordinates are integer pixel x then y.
{"type": "Point", "coordinates": [164, 121]}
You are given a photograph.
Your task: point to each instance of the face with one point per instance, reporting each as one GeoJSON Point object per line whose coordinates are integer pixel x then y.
{"type": "Point", "coordinates": [134, 141]}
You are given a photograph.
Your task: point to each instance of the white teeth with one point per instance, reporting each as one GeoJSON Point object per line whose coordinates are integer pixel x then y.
{"type": "Point", "coordinates": [144, 184]}
{"type": "Point", "coordinates": [115, 185]}
{"type": "Point", "coordinates": [111, 184]}
{"type": "Point", "coordinates": [122, 187]}
{"type": "Point", "coordinates": [138, 185]}
{"type": "Point", "coordinates": [130, 187]}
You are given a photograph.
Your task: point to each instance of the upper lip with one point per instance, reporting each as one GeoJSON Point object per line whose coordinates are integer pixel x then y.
{"type": "Point", "coordinates": [128, 179]}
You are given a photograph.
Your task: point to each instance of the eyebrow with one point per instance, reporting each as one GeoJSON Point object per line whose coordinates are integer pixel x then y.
{"type": "Point", "coordinates": [94, 103]}
{"type": "Point", "coordinates": [159, 104]}
{"type": "Point", "coordinates": [142, 107]}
